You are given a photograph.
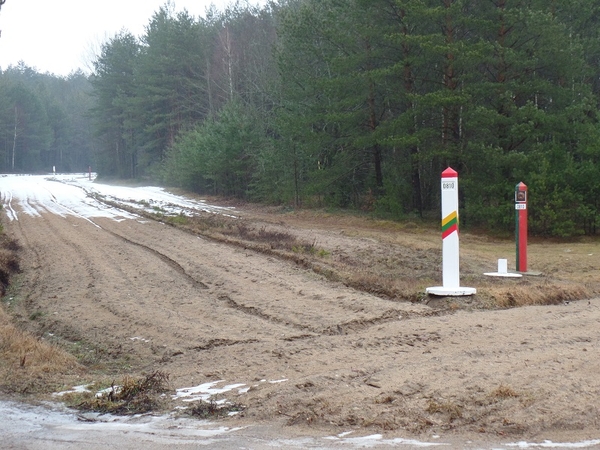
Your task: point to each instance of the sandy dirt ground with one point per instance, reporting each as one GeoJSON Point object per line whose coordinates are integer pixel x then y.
{"type": "Point", "coordinates": [310, 355]}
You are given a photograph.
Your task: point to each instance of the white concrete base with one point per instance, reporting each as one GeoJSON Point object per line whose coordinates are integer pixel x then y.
{"type": "Point", "coordinates": [502, 271]}
{"type": "Point", "coordinates": [506, 274]}
{"type": "Point", "coordinates": [450, 292]}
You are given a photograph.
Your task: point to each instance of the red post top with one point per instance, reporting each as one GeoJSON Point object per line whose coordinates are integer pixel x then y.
{"type": "Point", "coordinates": [521, 187]}
{"type": "Point", "coordinates": [449, 173]}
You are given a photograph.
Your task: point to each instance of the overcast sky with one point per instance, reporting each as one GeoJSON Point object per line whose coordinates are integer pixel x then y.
{"type": "Point", "coordinates": [59, 36]}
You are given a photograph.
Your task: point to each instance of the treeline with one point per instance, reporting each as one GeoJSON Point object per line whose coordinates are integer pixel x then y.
{"type": "Point", "coordinates": [362, 104]}
{"type": "Point", "coordinates": [43, 121]}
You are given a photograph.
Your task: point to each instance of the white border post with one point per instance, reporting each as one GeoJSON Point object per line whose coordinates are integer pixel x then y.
{"type": "Point", "coordinates": [450, 248]}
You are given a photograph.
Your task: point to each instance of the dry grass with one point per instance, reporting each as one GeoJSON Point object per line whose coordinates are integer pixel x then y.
{"type": "Point", "coordinates": [503, 392]}
{"type": "Point", "coordinates": [28, 364]}
{"type": "Point", "coordinates": [548, 294]}
{"type": "Point", "coordinates": [213, 410]}
{"type": "Point", "coordinates": [396, 288]}
{"type": "Point", "coordinates": [451, 410]}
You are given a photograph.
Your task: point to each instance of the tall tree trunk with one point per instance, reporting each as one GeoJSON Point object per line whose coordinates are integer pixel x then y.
{"type": "Point", "coordinates": [227, 46]}
{"type": "Point", "coordinates": [373, 123]}
{"type": "Point", "coordinates": [376, 149]}
{"type": "Point", "coordinates": [409, 88]}
{"type": "Point", "coordinates": [296, 180]}
{"type": "Point", "coordinates": [118, 159]}
{"type": "Point", "coordinates": [502, 32]}
{"type": "Point", "coordinates": [211, 109]}
{"type": "Point", "coordinates": [502, 76]}
{"type": "Point", "coordinates": [450, 114]}
{"type": "Point", "coordinates": [14, 140]}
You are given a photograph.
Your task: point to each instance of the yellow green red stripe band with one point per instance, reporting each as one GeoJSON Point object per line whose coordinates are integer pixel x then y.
{"type": "Point", "coordinates": [449, 224]}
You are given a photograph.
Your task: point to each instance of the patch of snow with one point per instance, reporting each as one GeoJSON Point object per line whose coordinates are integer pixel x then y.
{"type": "Point", "coordinates": [204, 391]}
{"type": "Point", "coordinates": [378, 440]}
{"type": "Point", "coordinates": [103, 392]}
{"type": "Point", "coordinates": [550, 444]}
{"type": "Point", "coordinates": [74, 390]}
{"type": "Point", "coordinates": [76, 194]}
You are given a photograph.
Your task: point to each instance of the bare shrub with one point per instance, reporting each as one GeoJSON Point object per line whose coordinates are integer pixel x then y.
{"type": "Point", "coordinates": [133, 396]}
{"type": "Point", "coordinates": [280, 239]}
{"type": "Point", "coordinates": [9, 261]}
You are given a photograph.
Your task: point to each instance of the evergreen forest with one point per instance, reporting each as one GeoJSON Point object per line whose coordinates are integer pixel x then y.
{"type": "Point", "coordinates": [357, 104]}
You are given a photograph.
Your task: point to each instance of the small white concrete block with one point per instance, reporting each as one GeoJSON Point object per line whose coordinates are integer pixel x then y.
{"type": "Point", "coordinates": [503, 271]}
{"type": "Point", "coordinates": [502, 266]}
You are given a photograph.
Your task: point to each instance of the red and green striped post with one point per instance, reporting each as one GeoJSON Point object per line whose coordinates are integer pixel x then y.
{"type": "Point", "coordinates": [521, 226]}
{"type": "Point", "coordinates": [450, 248]}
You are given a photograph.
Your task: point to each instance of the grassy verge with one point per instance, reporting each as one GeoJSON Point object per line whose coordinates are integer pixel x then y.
{"type": "Point", "coordinates": [27, 363]}
{"type": "Point", "coordinates": [401, 275]}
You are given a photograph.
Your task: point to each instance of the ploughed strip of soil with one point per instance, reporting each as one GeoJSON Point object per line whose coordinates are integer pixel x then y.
{"type": "Point", "coordinates": [138, 296]}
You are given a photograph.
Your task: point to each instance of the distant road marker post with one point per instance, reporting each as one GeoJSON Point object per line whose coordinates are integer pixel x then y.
{"type": "Point", "coordinates": [450, 247]}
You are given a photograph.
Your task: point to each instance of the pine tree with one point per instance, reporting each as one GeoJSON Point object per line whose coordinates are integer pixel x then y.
{"type": "Point", "coordinates": [114, 90]}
